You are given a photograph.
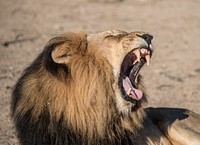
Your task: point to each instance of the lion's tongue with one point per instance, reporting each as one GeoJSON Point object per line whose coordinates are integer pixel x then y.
{"type": "Point", "coordinates": [130, 90]}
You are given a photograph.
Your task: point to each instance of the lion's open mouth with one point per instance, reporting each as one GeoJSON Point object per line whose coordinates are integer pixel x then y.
{"type": "Point", "coordinates": [130, 68]}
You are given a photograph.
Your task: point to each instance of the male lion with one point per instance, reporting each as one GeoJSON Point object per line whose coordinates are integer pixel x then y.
{"type": "Point", "coordinates": [85, 89]}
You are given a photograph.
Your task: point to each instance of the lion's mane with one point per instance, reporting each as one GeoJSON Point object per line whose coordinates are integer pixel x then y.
{"type": "Point", "coordinates": [71, 103]}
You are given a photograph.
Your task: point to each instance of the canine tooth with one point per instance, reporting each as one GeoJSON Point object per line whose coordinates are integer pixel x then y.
{"type": "Point", "coordinates": [137, 53]}
{"type": "Point", "coordinates": [147, 57]}
{"type": "Point", "coordinates": [129, 92]}
{"type": "Point", "coordinates": [135, 62]}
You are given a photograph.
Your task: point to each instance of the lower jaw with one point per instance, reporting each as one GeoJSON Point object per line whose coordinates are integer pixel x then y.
{"type": "Point", "coordinates": [128, 107]}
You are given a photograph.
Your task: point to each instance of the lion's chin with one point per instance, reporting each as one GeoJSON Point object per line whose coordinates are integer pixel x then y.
{"type": "Point", "coordinates": [123, 105]}
{"type": "Point", "coordinates": [131, 109]}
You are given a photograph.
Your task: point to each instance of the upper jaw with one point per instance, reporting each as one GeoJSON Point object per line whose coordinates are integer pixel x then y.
{"type": "Point", "coordinates": [143, 50]}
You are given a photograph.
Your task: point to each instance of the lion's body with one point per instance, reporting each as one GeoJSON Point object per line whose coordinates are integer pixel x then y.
{"type": "Point", "coordinates": [70, 95]}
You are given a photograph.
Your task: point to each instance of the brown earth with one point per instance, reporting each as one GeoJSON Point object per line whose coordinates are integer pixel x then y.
{"type": "Point", "coordinates": [173, 77]}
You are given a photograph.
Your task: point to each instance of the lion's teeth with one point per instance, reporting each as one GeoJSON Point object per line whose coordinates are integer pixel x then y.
{"type": "Point", "coordinates": [137, 53]}
{"type": "Point", "coordinates": [129, 92]}
{"type": "Point", "coordinates": [147, 57]}
{"type": "Point", "coordinates": [144, 52]}
{"type": "Point", "coordinates": [135, 62]}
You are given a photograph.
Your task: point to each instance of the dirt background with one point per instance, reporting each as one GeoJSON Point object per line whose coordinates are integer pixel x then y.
{"type": "Point", "coordinates": [173, 77]}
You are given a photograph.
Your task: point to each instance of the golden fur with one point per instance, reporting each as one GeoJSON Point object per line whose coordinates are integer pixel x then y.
{"type": "Point", "coordinates": [71, 94]}
{"type": "Point", "coordinates": [75, 81]}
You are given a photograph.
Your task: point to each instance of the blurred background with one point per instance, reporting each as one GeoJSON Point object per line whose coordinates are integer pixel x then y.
{"type": "Point", "coordinates": [171, 80]}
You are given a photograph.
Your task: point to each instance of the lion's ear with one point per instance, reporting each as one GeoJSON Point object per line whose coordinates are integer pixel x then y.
{"type": "Point", "coordinates": [62, 54]}
{"type": "Point", "coordinates": [68, 45]}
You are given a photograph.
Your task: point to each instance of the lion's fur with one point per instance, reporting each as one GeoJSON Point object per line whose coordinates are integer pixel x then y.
{"type": "Point", "coordinates": [68, 96]}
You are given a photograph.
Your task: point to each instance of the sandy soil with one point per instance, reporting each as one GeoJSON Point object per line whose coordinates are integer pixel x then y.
{"type": "Point", "coordinates": [172, 79]}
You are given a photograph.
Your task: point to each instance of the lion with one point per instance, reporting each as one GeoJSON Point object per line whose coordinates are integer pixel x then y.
{"type": "Point", "coordinates": [86, 89]}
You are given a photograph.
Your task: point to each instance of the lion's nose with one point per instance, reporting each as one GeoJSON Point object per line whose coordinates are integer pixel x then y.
{"type": "Point", "coordinates": [147, 38]}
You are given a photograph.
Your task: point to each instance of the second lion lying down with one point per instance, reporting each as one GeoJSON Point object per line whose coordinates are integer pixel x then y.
{"type": "Point", "coordinates": [86, 89]}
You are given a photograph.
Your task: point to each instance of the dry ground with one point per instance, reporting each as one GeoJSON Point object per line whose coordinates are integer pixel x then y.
{"type": "Point", "coordinates": [172, 79]}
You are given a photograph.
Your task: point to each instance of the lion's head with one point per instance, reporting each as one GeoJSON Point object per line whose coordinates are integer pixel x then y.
{"type": "Point", "coordinates": [84, 87]}
{"type": "Point", "coordinates": [126, 53]}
